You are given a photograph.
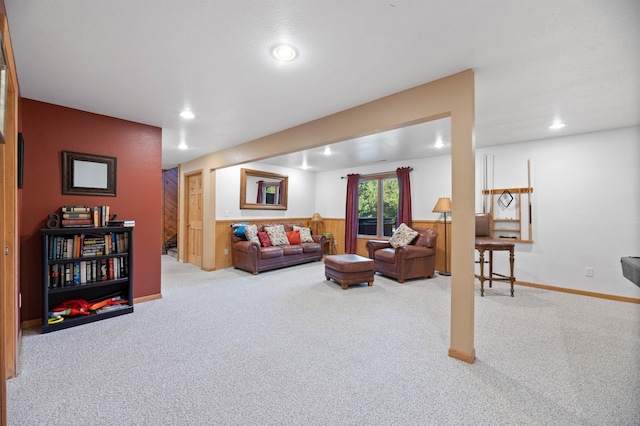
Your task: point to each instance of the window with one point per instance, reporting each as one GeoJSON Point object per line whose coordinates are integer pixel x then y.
{"type": "Point", "coordinates": [378, 194]}
{"type": "Point", "coordinates": [270, 194]}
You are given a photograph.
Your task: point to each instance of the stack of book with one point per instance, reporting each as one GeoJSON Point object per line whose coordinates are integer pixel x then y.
{"type": "Point", "coordinates": [77, 217]}
{"type": "Point", "coordinates": [85, 216]}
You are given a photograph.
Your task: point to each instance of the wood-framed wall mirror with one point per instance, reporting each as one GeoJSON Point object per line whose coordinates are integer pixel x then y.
{"type": "Point", "coordinates": [88, 174]}
{"type": "Point", "coordinates": [263, 190]}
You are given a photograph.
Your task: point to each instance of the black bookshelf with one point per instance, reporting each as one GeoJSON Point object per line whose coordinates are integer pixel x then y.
{"type": "Point", "coordinates": [97, 282]}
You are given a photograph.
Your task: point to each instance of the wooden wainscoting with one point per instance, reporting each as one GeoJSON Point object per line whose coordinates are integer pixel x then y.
{"type": "Point", "coordinates": [336, 228]}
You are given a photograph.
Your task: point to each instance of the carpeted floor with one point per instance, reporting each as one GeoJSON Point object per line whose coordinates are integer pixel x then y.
{"type": "Point", "coordinates": [287, 347]}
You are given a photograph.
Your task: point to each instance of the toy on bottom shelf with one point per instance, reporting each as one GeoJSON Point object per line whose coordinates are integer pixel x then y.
{"type": "Point", "coordinates": [71, 308]}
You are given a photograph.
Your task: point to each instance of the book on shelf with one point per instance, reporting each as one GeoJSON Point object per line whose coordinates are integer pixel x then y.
{"type": "Point", "coordinates": [76, 209]}
{"type": "Point", "coordinates": [76, 273]}
{"type": "Point", "coordinates": [88, 244]}
{"type": "Point", "coordinates": [68, 274]}
{"type": "Point", "coordinates": [111, 275]}
{"type": "Point", "coordinates": [105, 216]}
{"type": "Point", "coordinates": [96, 216]}
{"type": "Point", "coordinates": [103, 270]}
{"type": "Point", "coordinates": [54, 275]}
{"type": "Point", "coordinates": [77, 215]}
{"type": "Point", "coordinates": [128, 223]}
{"type": "Point", "coordinates": [80, 223]}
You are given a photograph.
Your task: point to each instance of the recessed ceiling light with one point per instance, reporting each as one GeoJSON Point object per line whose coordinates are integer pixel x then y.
{"type": "Point", "coordinates": [327, 151]}
{"type": "Point", "coordinates": [557, 125]}
{"type": "Point", "coordinates": [284, 53]}
{"type": "Point", "coordinates": [187, 114]}
{"type": "Point", "coordinates": [439, 143]}
{"type": "Point", "coordinates": [183, 146]}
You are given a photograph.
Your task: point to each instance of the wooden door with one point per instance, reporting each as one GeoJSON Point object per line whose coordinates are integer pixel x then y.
{"type": "Point", "coordinates": [9, 231]}
{"type": "Point", "coordinates": [193, 219]}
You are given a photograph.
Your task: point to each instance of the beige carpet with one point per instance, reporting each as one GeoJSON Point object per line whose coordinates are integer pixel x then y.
{"type": "Point", "coordinates": [287, 347]}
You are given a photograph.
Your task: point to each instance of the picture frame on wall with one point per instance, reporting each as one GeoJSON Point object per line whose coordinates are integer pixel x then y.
{"type": "Point", "coordinates": [88, 174]}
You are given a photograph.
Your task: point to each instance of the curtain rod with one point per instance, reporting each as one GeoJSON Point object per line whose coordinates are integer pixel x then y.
{"type": "Point", "coordinates": [378, 173]}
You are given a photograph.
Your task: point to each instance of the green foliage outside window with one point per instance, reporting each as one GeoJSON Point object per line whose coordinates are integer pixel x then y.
{"type": "Point", "coordinates": [368, 198]}
{"type": "Point", "coordinates": [375, 195]}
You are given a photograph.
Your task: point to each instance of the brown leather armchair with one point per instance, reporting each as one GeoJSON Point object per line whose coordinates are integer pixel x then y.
{"type": "Point", "coordinates": [415, 260]}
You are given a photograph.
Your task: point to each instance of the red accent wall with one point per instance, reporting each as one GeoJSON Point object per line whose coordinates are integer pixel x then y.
{"type": "Point", "coordinates": [50, 129]}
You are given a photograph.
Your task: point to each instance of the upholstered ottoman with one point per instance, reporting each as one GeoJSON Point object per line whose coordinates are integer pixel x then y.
{"type": "Point", "coordinates": [347, 269]}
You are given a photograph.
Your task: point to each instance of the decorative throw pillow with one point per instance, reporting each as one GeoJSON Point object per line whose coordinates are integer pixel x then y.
{"type": "Point", "coordinates": [305, 234]}
{"type": "Point", "coordinates": [238, 229]}
{"type": "Point", "coordinates": [264, 239]}
{"type": "Point", "coordinates": [293, 237]}
{"type": "Point", "coordinates": [251, 233]}
{"type": "Point", "coordinates": [403, 236]}
{"type": "Point", "coordinates": [277, 235]}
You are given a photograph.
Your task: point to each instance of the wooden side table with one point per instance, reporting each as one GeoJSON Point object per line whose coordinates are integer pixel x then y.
{"type": "Point", "coordinates": [329, 246]}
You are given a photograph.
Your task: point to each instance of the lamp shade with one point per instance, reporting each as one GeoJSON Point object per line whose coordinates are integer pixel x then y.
{"type": "Point", "coordinates": [316, 217]}
{"type": "Point", "coordinates": [443, 206]}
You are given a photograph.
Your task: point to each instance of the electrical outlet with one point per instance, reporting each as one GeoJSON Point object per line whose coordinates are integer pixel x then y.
{"type": "Point", "coordinates": [226, 252]}
{"type": "Point", "coordinates": [588, 271]}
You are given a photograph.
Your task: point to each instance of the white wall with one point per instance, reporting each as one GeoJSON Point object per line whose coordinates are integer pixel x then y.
{"type": "Point", "coordinates": [301, 190]}
{"type": "Point", "coordinates": [430, 180]}
{"type": "Point", "coordinates": [585, 205]}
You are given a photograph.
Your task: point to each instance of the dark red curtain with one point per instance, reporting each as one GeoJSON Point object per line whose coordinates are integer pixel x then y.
{"type": "Point", "coordinates": [404, 197]}
{"type": "Point", "coordinates": [260, 191]}
{"type": "Point", "coordinates": [351, 216]}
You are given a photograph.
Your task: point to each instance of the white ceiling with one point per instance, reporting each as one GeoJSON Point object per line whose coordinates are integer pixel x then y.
{"type": "Point", "coordinates": [146, 60]}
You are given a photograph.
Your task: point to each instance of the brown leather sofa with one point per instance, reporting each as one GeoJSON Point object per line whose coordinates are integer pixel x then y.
{"type": "Point", "coordinates": [415, 260]}
{"type": "Point", "coordinates": [252, 257]}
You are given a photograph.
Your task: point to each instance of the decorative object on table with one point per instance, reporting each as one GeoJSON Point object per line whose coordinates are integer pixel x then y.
{"type": "Point", "coordinates": [444, 206]}
{"type": "Point", "coordinates": [53, 221]}
{"type": "Point", "coordinates": [330, 244]}
{"type": "Point", "coordinates": [317, 224]}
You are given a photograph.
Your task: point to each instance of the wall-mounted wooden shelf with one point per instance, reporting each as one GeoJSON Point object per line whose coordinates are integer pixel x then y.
{"type": "Point", "coordinates": [508, 214]}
